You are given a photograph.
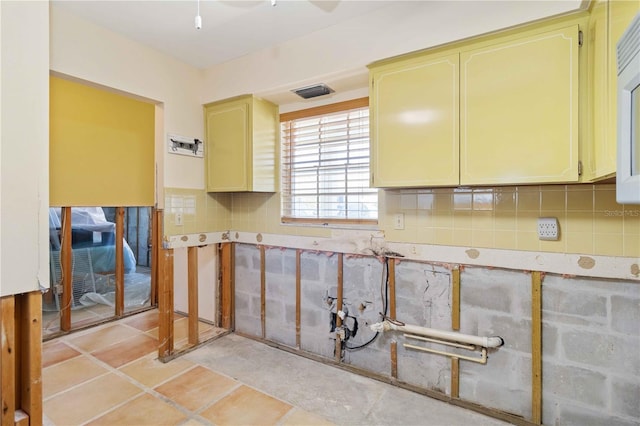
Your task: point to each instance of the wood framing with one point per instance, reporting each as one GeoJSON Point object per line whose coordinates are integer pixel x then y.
{"type": "Point", "coordinates": [8, 360]}
{"type": "Point", "coordinates": [119, 261]}
{"type": "Point", "coordinates": [263, 293]}
{"type": "Point", "coordinates": [156, 232]}
{"type": "Point", "coordinates": [455, 377]}
{"type": "Point", "coordinates": [391, 264]}
{"type": "Point", "coordinates": [21, 359]}
{"type": "Point", "coordinates": [226, 286]}
{"type": "Point", "coordinates": [66, 271]}
{"type": "Point", "coordinates": [165, 304]}
{"type": "Point", "coordinates": [455, 299]}
{"type": "Point", "coordinates": [536, 347]}
{"type": "Point", "coordinates": [339, 297]}
{"type": "Point", "coordinates": [298, 296]}
{"type": "Point", "coordinates": [192, 289]}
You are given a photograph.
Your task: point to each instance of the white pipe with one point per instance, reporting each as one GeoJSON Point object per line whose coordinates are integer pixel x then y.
{"type": "Point", "coordinates": [481, 360]}
{"type": "Point", "coordinates": [485, 342]}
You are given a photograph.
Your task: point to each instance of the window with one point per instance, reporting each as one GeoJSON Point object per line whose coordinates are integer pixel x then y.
{"type": "Point", "coordinates": [325, 165]}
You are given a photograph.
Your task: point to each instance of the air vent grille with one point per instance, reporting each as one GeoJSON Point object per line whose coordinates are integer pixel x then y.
{"type": "Point", "coordinates": [629, 44]}
{"type": "Point", "coordinates": [313, 91]}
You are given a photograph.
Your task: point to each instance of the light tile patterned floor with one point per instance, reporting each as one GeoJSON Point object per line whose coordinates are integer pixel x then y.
{"type": "Point", "coordinates": [110, 375]}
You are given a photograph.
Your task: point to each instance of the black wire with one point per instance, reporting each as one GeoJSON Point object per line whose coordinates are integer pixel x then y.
{"type": "Point", "coordinates": [385, 304]}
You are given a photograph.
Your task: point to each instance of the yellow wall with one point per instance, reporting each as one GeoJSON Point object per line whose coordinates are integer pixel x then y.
{"type": "Point", "coordinates": [201, 211]}
{"type": "Point", "coordinates": [591, 222]}
{"type": "Point", "coordinates": [101, 147]}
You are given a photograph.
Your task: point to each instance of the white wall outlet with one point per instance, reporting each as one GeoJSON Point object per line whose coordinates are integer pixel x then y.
{"type": "Point", "coordinates": [178, 219]}
{"type": "Point", "coordinates": [398, 221]}
{"type": "Point", "coordinates": [548, 228]}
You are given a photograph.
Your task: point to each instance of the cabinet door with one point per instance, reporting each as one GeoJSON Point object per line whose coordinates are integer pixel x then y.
{"type": "Point", "coordinates": [414, 123]}
{"type": "Point", "coordinates": [519, 110]}
{"type": "Point", "coordinates": [228, 138]}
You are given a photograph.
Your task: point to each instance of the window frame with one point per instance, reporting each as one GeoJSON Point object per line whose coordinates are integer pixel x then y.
{"type": "Point", "coordinates": [315, 112]}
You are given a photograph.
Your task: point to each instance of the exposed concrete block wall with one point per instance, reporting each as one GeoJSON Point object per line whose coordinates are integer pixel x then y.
{"type": "Point", "coordinates": [496, 302]}
{"type": "Point", "coordinates": [423, 297]}
{"type": "Point", "coordinates": [591, 329]}
{"type": "Point", "coordinates": [591, 351]}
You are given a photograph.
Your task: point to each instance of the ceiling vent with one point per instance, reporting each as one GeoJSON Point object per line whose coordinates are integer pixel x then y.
{"type": "Point", "coordinates": [313, 91]}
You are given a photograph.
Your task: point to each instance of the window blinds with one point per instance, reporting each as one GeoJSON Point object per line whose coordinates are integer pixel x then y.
{"type": "Point", "coordinates": [325, 164]}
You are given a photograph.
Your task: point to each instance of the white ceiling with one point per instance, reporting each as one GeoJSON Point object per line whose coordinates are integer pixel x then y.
{"type": "Point", "coordinates": [233, 28]}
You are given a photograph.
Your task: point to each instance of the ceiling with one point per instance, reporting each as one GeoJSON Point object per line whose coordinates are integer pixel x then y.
{"type": "Point", "coordinates": [235, 28]}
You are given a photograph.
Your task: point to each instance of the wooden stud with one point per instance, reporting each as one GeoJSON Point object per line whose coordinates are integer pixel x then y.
{"type": "Point", "coordinates": [536, 347]}
{"type": "Point", "coordinates": [455, 325]}
{"type": "Point", "coordinates": [165, 304]}
{"type": "Point", "coordinates": [66, 267]}
{"type": "Point", "coordinates": [263, 293]}
{"type": "Point", "coordinates": [391, 264]}
{"type": "Point", "coordinates": [226, 292]}
{"type": "Point", "coordinates": [455, 299]}
{"type": "Point", "coordinates": [119, 261]}
{"type": "Point", "coordinates": [30, 355]}
{"type": "Point", "coordinates": [392, 287]}
{"type": "Point", "coordinates": [394, 360]}
{"type": "Point", "coordinates": [298, 297]}
{"type": "Point", "coordinates": [7, 360]}
{"type": "Point", "coordinates": [455, 377]}
{"type": "Point", "coordinates": [192, 285]}
{"type": "Point", "coordinates": [156, 220]}
{"type": "Point", "coordinates": [339, 296]}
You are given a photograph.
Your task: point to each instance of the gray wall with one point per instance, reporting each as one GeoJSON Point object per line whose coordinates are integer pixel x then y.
{"type": "Point", "coordinates": [591, 329]}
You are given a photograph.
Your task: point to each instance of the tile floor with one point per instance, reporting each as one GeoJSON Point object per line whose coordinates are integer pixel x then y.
{"type": "Point", "coordinates": [110, 375]}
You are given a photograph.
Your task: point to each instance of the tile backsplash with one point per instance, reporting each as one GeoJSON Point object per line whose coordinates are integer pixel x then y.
{"type": "Point", "coordinates": [590, 219]}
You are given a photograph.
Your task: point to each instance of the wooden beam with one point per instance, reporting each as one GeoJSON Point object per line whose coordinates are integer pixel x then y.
{"type": "Point", "coordinates": [156, 220]}
{"type": "Point", "coordinates": [30, 356]}
{"type": "Point", "coordinates": [192, 285]}
{"type": "Point", "coordinates": [66, 266]}
{"type": "Point", "coordinates": [455, 377]}
{"type": "Point", "coordinates": [455, 299]}
{"type": "Point", "coordinates": [226, 288]}
{"type": "Point", "coordinates": [339, 297]}
{"type": "Point", "coordinates": [455, 325]}
{"type": "Point", "coordinates": [298, 296]}
{"type": "Point", "coordinates": [165, 304]}
{"type": "Point", "coordinates": [7, 360]}
{"type": "Point", "coordinates": [391, 264]}
{"type": "Point", "coordinates": [119, 261]}
{"type": "Point", "coordinates": [536, 347]}
{"type": "Point", "coordinates": [263, 293]}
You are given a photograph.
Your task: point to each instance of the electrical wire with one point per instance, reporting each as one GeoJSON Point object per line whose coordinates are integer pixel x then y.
{"type": "Point", "coordinates": [384, 296]}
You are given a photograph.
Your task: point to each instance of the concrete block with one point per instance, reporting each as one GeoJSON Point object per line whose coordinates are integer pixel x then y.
{"type": "Point", "coordinates": [580, 385]}
{"type": "Point", "coordinates": [493, 297]}
{"type": "Point", "coordinates": [425, 370]}
{"type": "Point", "coordinates": [576, 415]}
{"type": "Point", "coordinates": [309, 267]}
{"type": "Point", "coordinates": [515, 401]}
{"type": "Point", "coordinates": [571, 300]}
{"type": "Point", "coordinates": [603, 351]}
{"type": "Point", "coordinates": [549, 340]}
{"type": "Point", "coordinates": [625, 398]}
{"type": "Point", "coordinates": [625, 315]}
{"type": "Point", "coordinates": [273, 261]}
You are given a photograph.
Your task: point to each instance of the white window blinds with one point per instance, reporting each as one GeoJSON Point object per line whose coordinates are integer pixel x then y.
{"type": "Point", "coordinates": [325, 168]}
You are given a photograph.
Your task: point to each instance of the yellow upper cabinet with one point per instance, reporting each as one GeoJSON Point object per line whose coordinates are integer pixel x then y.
{"type": "Point", "coordinates": [241, 152]}
{"type": "Point", "coordinates": [497, 109]}
{"type": "Point", "coordinates": [519, 110]}
{"type": "Point", "coordinates": [608, 20]}
{"type": "Point", "coordinates": [414, 122]}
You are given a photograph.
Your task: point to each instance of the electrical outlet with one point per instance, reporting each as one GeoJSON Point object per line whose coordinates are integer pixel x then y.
{"type": "Point", "coordinates": [398, 221]}
{"type": "Point", "coordinates": [178, 219]}
{"type": "Point", "coordinates": [548, 228]}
